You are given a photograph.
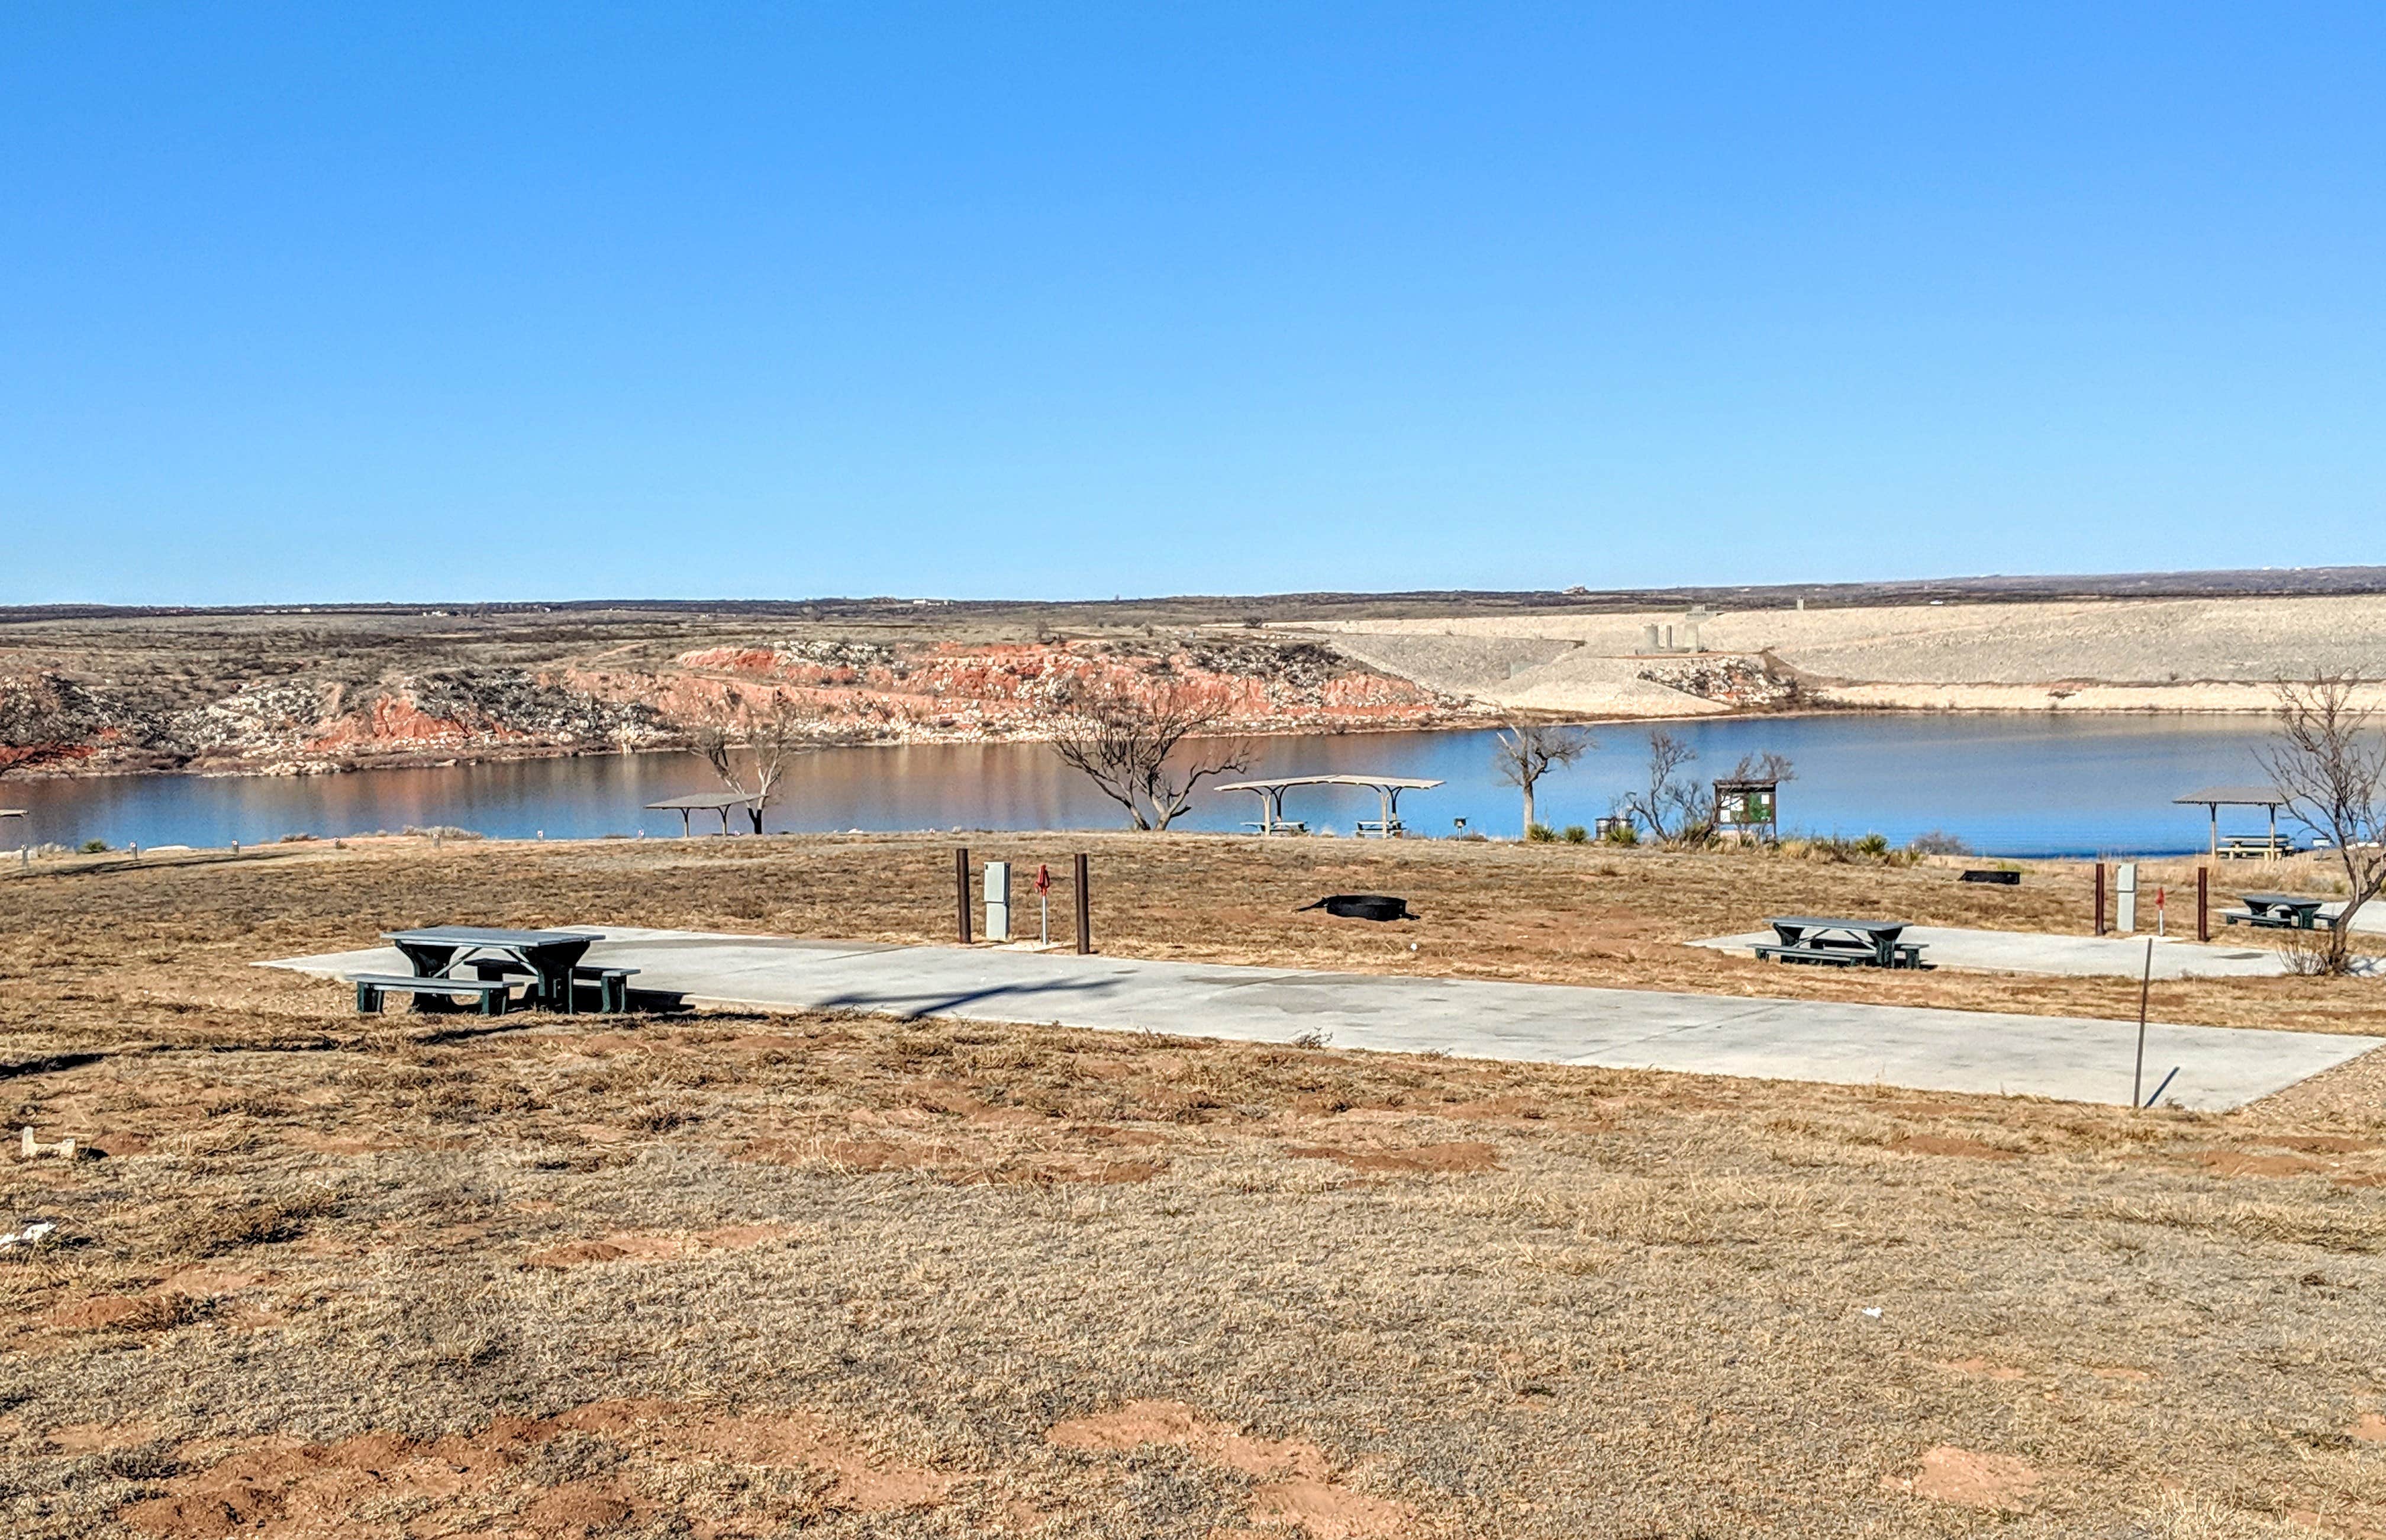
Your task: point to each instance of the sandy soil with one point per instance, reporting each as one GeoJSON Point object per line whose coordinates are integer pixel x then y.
{"type": "Point", "coordinates": [727, 1275]}
{"type": "Point", "coordinates": [2102, 654]}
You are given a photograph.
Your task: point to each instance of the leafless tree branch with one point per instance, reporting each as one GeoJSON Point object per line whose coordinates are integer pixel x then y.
{"type": "Point", "coordinates": [752, 747]}
{"type": "Point", "coordinates": [1670, 805]}
{"type": "Point", "coordinates": [2327, 760]}
{"type": "Point", "coordinates": [1524, 754]}
{"type": "Point", "coordinates": [1133, 741]}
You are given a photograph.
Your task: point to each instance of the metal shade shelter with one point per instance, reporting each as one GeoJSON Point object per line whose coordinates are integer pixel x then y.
{"type": "Point", "coordinates": [708, 802]}
{"type": "Point", "coordinates": [1388, 789]}
{"type": "Point", "coordinates": [2212, 798]}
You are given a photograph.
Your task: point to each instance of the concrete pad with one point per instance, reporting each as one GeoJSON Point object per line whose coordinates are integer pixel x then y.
{"type": "Point", "coordinates": [2026, 952]}
{"type": "Point", "coordinates": [2067, 1058]}
{"type": "Point", "coordinates": [2118, 956]}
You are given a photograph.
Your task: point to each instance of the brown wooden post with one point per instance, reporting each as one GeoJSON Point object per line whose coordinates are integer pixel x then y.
{"type": "Point", "coordinates": [960, 890]}
{"type": "Point", "coordinates": [2100, 898]}
{"type": "Point", "coordinates": [1085, 908]}
{"type": "Point", "coordinates": [2203, 903]}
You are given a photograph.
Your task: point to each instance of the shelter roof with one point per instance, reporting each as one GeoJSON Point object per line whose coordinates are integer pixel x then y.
{"type": "Point", "coordinates": [2235, 796]}
{"type": "Point", "coordinates": [703, 802]}
{"type": "Point", "coordinates": [1373, 783]}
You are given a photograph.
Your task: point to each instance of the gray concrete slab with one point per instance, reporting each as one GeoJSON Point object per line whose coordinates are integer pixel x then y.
{"type": "Point", "coordinates": [2024, 952]}
{"type": "Point", "coordinates": [2067, 1058]}
{"type": "Point", "coordinates": [2115, 955]}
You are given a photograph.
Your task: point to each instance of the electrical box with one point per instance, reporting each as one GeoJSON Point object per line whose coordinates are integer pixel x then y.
{"type": "Point", "coordinates": [998, 900]}
{"type": "Point", "coordinates": [2125, 895]}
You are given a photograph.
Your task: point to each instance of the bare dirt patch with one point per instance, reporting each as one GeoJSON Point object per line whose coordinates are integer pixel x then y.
{"type": "Point", "coordinates": [1295, 1488]}
{"type": "Point", "coordinates": [298, 1491]}
{"type": "Point", "coordinates": [1971, 1479]}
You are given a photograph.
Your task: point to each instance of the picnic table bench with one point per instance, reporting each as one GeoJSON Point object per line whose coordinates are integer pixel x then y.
{"type": "Point", "coordinates": [2249, 847]}
{"type": "Point", "coordinates": [490, 997]}
{"type": "Point", "coordinates": [1841, 943]}
{"type": "Point", "coordinates": [549, 959]}
{"type": "Point", "coordinates": [613, 985]}
{"type": "Point", "coordinates": [2280, 911]}
{"type": "Point", "coordinates": [1281, 826]}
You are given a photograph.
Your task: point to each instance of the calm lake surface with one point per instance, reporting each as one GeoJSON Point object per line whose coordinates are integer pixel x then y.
{"type": "Point", "coordinates": [2017, 784]}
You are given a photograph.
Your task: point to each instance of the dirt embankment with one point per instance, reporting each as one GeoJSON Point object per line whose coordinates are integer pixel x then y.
{"type": "Point", "coordinates": [2103, 654]}
{"type": "Point", "coordinates": [278, 711]}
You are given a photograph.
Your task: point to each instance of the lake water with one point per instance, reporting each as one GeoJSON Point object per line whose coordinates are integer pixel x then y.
{"type": "Point", "coordinates": [2018, 784]}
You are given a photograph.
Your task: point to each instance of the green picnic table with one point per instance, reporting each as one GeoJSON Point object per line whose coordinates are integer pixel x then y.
{"type": "Point", "coordinates": [437, 954]}
{"type": "Point", "coordinates": [1840, 942]}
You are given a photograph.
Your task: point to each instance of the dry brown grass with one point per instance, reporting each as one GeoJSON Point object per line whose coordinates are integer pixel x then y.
{"type": "Point", "coordinates": [858, 1276]}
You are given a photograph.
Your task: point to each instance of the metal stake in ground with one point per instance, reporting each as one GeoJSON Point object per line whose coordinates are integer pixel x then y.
{"type": "Point", "coordinates": [2145, 987]}
{"type": "Point", "coordinates": [1044, 900]}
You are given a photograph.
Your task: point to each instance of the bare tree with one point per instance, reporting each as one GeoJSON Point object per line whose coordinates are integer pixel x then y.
{"type": "Point", "coordinates": [1768, 766]}
{"type": "Point", "coordinates": [751, 747]}
{"type": "Point", "coordinates": [1670, 804]}
{"type": "Point", "coordinates": [1523, 754]}
{"type": "Point", "coordinates": [1130, 740]}
{"type": "Point", "coordinates": [2329, 761]}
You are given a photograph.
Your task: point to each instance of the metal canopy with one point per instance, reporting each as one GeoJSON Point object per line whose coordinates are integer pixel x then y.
{"type": "Point", "coordinates": [2214, 798]}
{"type": "Point", "coordinates": [703, 802]}
{"type": "Point", "coordinates": [2236, 796]}
{"type": "Point", "coordinates": [1387, 790]}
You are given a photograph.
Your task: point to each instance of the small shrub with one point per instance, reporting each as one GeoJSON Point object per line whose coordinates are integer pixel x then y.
{"type": "Point", "coordinates": [1540, 833]}
{"type": "Point", "coordinates": [298, 839]}
{"type": "Point", "coordinates": [1937, 841]}
{"type": "Point", "coordinates": [1836, 851]}
{"type": "Point", "coordinates": [1576, 835]}
{"type": "Point", "coordinates": [92, 847]}
{"type": "Point", "coordinates": [1621, 831]}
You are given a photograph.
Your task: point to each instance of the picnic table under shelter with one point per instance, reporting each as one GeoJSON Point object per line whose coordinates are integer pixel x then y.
{"type": "Point", "coordinates": [1270, 791]}
{"type": "Point", "coordinates": [2212, 798]}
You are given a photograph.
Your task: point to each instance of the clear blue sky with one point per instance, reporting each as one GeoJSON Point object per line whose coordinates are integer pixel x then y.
{"type": "Point", "coordinates": [350, 302]}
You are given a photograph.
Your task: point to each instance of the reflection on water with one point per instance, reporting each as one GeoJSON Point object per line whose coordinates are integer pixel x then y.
{"type": "Point", "coordinates": [2010, 784]}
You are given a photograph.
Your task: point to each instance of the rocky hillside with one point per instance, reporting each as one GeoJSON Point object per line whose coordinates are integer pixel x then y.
{"type": "Point", "coordinates": [311, 696]}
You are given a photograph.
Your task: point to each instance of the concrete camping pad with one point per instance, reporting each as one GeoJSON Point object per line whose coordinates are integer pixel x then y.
{"type": "Point", "coordinates": [2068, 1059]}
{"type": "Point", "coordinates": [2030, 952]}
